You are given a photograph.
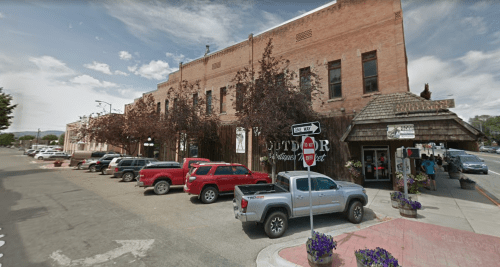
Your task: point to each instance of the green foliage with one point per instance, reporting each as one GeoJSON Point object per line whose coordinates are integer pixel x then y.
{"type": "Point", "coordinates": [50, 137]}
{"type": "Point", "coordinates": [61, 139]}
{"type": "Point", "coordinates": [7, 139]}
{"type": "Point", "coordinates": [489, 125]}
{"type": "Point", "coordinates": [5, 110]}
{"type": "Point", "coordinates": [27, 137]}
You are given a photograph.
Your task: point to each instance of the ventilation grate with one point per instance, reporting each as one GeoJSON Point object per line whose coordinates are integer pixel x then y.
{"type": "Point", "coordinates": [216, 65]}
{"type": "Point", "coordinates": [303, 35]}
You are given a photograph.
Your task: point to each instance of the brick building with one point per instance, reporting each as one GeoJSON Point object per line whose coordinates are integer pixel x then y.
{"type": "Point", "coordinates": [355, 46]}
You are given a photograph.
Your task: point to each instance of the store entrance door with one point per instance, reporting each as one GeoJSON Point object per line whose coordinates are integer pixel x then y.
{"type": "Point", "coordinates": [376, 163]}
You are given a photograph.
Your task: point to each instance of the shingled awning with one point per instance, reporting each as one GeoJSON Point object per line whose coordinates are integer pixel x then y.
{"type": "Point", "coordinates": [432, 120]}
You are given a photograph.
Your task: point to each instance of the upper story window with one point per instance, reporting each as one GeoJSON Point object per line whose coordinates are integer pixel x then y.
{"type": "Point", "coordinates": [209, 102]}
{"type": "Point", "coordinates": [240, 94]}
{"type": "Point", "coordinates": [158, 107]}
{"type": "Point", "coordinates": [370, 73]}
{"type": "Point", "coordinates": [166, 107]}
{"type": "Point", "coordinates": [334, 79]}
{"type": "Point", "coordinates": [195, 100]}
{"type": "Point", "coordinates": [305, 82]}
{"type": "Point", "coordinates": [223, 100]}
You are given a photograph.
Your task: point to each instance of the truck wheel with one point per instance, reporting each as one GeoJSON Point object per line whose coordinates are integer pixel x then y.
{"type": "Point", "coordinates": [162, 187]}
{"type": "Point", "coordinates": [209, 195]}
{"type": "Point", "coordinates": [355, 212]}
{"type": "Point", "coordinates": [276, 224]}
{"type": "Point", "coordinates": [79, 166]}
{"type": "Point", "coordinates": [128, 177]}
{"type": "Point", "coordinates": [92, 168]}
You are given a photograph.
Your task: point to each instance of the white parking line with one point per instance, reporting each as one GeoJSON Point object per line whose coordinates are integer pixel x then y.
{"type": "Point", "coordinates": [495, 172]}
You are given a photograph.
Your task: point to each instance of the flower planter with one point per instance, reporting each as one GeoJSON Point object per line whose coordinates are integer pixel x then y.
{"type": "Point", "coordinates": [323, 261]}
{"type": "Point", "coordinates": [57, 164]}
{"type": "Point", "coordinates": [467, 185]}
{"type": "Point", "coordinates": [361, 264]}
{"type": "Point", "coordinates": [408, 213]}
{"type": "Point", "coordinates": [454, 175]}
{"type": "Point", "coordinates": [395, 204]}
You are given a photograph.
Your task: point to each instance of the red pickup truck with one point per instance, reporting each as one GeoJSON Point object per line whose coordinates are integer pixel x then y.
{"type": "Point", "coordinates": [209, 180]}
{"type": "Point", "coordinates": [162, 178]}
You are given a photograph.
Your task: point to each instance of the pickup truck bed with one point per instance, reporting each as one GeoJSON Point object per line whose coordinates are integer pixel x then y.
{"type": "Point", "coordinates": [260, 189]}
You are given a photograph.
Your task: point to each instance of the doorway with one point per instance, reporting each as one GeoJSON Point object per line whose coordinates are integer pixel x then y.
{"type": "Point", "coordinates": [376, 163]}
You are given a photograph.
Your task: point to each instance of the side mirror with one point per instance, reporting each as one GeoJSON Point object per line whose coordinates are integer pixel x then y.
{"type": "Point", "coordinates": [249, 172]}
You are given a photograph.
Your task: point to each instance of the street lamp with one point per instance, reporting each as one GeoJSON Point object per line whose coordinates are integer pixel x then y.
{"type": "Point", "coordinates": [99, 101]}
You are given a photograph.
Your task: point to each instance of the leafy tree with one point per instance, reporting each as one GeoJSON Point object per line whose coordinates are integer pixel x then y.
{"type": "Point", "coordinates": [273, 99]}
{"type": "Point", "coordinates": [5, 110]}
{"type": "Point", "coordinates": [489, 125]}
{"type": "Point", "coordinates": [27, 137]}
{"type": "Point", "coordinates": [6, 139]}
{"type": "Point", "coordinates": [50, 137]}
{"type": "Point", "coordinates": [61, 139]}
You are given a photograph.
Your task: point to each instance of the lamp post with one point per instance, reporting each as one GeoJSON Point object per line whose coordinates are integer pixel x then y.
{"type": "Point", "coordinates": [99, 101]}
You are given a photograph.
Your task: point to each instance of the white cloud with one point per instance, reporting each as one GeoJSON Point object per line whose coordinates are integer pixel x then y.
{"type": "Point", "coordinates": [119, 72]}
{"type": "Point", "coordinates": [70, 26]}
{"type": "Point", "coordinates": [1, 15]}
{"type": "Point", "coordinates": [101, 67]}
{"type": "Point", "coordinates": [157, 70]}
{"type": "Point", "coordinates": [51, 66]}
{"type": "Point", "coordinates": [477, 23]}
{"type": "Point", "coordinates": [98, 38]}
{"type": "Point", "coordinates": [496, 37]}
{"type": "Point", "coordinates": [178, 58]}
{"type": "Point", "coordinates": [124, 55]}
{"type": "Point", "coordinates": [132, 68]}
{"type": "Point", "coordinates": [418, 20]}
{"type": "Point", "coordinates": [91, 82]}
{"type": "Point", "coordinates": [481, 5]}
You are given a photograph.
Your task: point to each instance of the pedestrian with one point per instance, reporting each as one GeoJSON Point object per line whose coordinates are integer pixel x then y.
{"type": "Point", "coordinates": [428, 166]}
{"type": "Point", "coordinates": [439, 161]}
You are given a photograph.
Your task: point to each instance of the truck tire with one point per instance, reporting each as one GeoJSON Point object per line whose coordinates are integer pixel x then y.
{"type": "Point", "coordinates": [209, 195]}
{"type": "Point", "coordinates": [79, 166]}
{"type": "Point", "coordinates": [355, 212]}
{"type": "Point", "coordinates": [128, 177]}
{"type": "Point", "coordinates": [162, 187]}
{"type": "Point", "coordinates": [276, 224]}
{"type": "Point", "coordinates": [92, 168]}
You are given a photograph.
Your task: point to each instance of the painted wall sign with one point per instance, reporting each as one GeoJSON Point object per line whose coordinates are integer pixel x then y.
{"type": "Point", "coordinates": [240, 140]}
{"type": "Point", "coordinates": [424, 106]}
{"type": "Point", "coordinates": [285, 147]}
{"type": "Point", "coordinates": [400, 131]}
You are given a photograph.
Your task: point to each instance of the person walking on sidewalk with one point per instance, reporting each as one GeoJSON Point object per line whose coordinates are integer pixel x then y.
{"type": "Point", "coordinates": [428, 166]}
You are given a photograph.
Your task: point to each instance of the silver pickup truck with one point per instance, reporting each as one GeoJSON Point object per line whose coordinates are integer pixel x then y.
{"type": "Point", "coordinates": [274, 204]}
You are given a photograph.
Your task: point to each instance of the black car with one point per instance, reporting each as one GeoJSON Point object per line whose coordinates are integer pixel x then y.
{"type": "Point", "coordinates": [103, 162]}
{"type": "Point", "coordinates": [128, 169]}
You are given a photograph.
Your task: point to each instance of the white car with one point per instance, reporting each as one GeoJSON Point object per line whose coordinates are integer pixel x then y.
{"type": "Point", "coordinates": [44, 155]}
{"type": "Point", "coordinates": [498, 151]}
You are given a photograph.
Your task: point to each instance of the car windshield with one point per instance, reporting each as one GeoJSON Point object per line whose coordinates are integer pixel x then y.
{"type": "Point", "coordinates": [469, 158]}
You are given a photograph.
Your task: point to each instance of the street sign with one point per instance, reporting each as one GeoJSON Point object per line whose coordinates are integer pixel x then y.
{"type": "Point", "coordinates": [306, 128]}
{"type": "Point", "coordinates": [309, 151]}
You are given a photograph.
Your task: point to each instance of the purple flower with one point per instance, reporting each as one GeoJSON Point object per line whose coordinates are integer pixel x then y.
{"type": "Point", "coordinates": [320, 244]}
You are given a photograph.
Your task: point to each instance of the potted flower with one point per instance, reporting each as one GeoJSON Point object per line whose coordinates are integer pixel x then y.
{"type": "Point", "coordinates": [375, 257]}
{"type": "Point", "coordinates": [467, 184]}
{"type": "Point", "coordinates": [263, 160]}
{"type": "Point", "coordinates": [320, 250]}
{"type": "Point", "coordinates": [58, 162]}
{"type": "Point", "coordinates": [408, 208]}
{"type": "Point", "coordinates": [354, 168]}
{"type": "Point", "coordinates": [395, 198]}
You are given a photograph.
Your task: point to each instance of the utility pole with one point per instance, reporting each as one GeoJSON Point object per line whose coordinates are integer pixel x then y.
{"type": "Point", "coordinates": [37, 134]}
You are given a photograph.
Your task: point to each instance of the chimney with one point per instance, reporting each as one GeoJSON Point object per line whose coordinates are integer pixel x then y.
{"type": "Point", "coordinates": [207, 51]}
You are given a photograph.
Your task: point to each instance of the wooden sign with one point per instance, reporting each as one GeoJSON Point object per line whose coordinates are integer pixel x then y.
{"type": "Point", "coordinates": [424, 106]}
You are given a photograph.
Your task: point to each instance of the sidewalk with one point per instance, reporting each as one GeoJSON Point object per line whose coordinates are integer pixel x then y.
{"type": "Point", "coordinates": [455, 227]}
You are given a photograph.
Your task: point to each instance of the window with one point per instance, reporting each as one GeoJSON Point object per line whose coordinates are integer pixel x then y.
{"type": "Point", "coordinates": [158, 108]}
{"type": "Point", "coordinates": [166, 107]}
{"type": "Point", "coordinates": [305, 82]}
{"type": "Point", "coordinates": [223, 170]}
{"type": "Point", "coordinates": [240, 170]}
{"type": "Point", "coordinates": [195, 100]}
{"type": "Point", "coordinates": [223, 100]}
{"type": "Point", "coordinates": [283, 182]}
{"type": "Point", "coordinates": [240, 94]}
{"type": "Point", "coordinates": [370, 74]}
{"type": "Point", "coordinates": [334, 79]}
{"type": "Point", "coordinates": [203, 170]}
{"type": "Point", "coordinates": [325, 184]}
{"type": "Point", "coordinates": [140, 162]}
{"type": "Point", "coordinates": [303, 184]}
{"type": "Point", "coordinates": [124, 163]}
{"type": "Point", "coordinates": [209, 102]}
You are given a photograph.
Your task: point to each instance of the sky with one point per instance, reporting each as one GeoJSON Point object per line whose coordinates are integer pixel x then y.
{"type": "Point", "coordinates": [58, 57]}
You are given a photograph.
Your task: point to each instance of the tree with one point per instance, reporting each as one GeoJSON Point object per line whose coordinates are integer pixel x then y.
{"type": "Point", "coordinates": [275, 98]}
{"type": "Point", "coordinates": [27, 137]}
{"type": "Point", "coordinates": [50, 137]}
{"type": "Point", "coordinates": [5, 110]}
{"type": "Point", "coordinates": [7, 139]}
{"type": "Point", "coordinates": [61, 139]}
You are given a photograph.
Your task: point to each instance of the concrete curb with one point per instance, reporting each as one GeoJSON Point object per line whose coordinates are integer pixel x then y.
{"type": "Point", "coordinates": [485, 192]}
{"type": "Point", "coordinates": [269, 256]}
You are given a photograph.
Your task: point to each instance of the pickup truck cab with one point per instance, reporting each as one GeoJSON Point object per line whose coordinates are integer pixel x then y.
{"type": "Point", "coordinates": [209, 180]}
{"type": "Point", "coordinates": [162, 176]}
{"type": "Point", "coordinates": [274, 204]}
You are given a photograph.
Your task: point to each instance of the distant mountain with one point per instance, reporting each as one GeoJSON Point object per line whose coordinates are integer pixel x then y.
{"type": "Point", "coordinates": [42, 134]}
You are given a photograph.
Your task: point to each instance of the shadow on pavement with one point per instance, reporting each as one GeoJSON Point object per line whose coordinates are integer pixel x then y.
{"type": "Point", "coordinates": [21, 173]}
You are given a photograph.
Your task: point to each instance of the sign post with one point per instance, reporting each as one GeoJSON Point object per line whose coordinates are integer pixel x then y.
{"type": "Point", "coordinates": [309, 156]}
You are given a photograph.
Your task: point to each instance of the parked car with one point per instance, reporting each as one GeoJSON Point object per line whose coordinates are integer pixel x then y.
{"type": "Point", "coordinates": [498, 151]}
{"type": "Point", "coordinates": [209, 180]}
{"type": "Point", "coordinates": [274, 204]}
{"type": "Point", "coordinates": [86, 164]}
{"type": "Point", "coordinates": [451, 154]}
{"type": "Point", "coordinates": [26, 152]}
{"type": "Point", "coordinates": [103, 162]}
{"type": "Point", "coordinates": [471, 163]}
{"type": "Point", "coordinates": [162, 175]}
{"type": "Point", "coordinates": [493, 149]}
{"type": "Point", "coordinates": [44, 155]}
{"type": "Point", "coordinates": [33, 153]}
{"type": "Point", "coordinates": [128, 169]}
{"type": "Point", "coordinates": [79, 156]}
{"type": "Point", "coordinates": [59, 155]}
{"type": "Point", "coordinates": [114, 162]}
{"type": "Point", "coordinates": [484, 148]}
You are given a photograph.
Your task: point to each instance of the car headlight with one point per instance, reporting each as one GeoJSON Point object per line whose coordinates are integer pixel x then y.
{"type": "Point", "coordinates": [364, 190]}
{"type": "Point", "coordinates": [483, 165]}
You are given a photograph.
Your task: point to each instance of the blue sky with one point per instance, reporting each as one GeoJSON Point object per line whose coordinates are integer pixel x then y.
{"type": "Point", "coordinates": [57, 59]}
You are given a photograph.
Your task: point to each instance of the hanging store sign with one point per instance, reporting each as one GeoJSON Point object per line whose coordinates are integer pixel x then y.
{"type": "Point", "coordinates": [240, 140]}
{"type": "Point", "coordinates": [400, 131]}
{"type": "Point", "coordinates": [424, 106]}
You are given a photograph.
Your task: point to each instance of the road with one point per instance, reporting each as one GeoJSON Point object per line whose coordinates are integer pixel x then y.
{"type": "Point", "coordinates": [66, 217]}
{"type": "Point", "coordinates": [491, 181]}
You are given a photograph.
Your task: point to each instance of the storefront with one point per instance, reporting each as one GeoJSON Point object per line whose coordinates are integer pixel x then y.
{"type": "Point", "coordinates": [399, 120]}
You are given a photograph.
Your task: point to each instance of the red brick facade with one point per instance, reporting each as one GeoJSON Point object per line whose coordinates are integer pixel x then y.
{"type": "Point", "coordinates": [339, 31]}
